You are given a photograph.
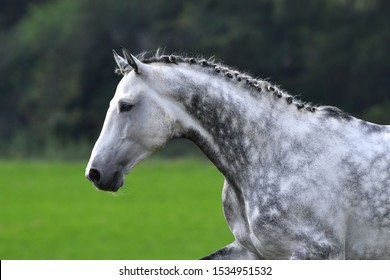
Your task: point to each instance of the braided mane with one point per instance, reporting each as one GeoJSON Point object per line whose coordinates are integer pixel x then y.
{"type": "Point", "coordinates": [257, 85]}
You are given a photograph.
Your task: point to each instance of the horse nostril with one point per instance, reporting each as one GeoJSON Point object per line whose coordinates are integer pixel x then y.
{"type": "Point", "coordinates": [94, 175]}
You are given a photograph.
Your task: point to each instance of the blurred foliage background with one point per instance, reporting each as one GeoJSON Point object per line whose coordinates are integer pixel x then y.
{"type": "Point", "coordinates": [56, 66]}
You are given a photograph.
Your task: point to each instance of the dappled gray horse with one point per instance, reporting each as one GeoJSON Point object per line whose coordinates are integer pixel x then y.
{"type": "Point", "coordinates": [301, 182]}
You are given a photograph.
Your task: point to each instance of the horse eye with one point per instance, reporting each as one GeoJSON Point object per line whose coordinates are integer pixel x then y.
{"type": "Point", "coordinates": [125, 107]}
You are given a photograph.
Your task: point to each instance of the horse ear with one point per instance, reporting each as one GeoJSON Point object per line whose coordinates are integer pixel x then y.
{"type": "Point", "coordinates": [121, 62]}
{"type": "Point", "coordinates": [132, 61]}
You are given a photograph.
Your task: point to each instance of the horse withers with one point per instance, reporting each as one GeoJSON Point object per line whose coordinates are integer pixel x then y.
{"type": "Point", "coordinates": [301, 181]}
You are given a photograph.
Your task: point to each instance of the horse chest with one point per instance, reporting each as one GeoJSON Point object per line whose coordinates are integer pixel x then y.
{"type": "Point", "coordinates": [252, 228]}
{"type": "Point", "coordinates": [271, 224]}
{"type": "Point", "coordinates": [236, 216]}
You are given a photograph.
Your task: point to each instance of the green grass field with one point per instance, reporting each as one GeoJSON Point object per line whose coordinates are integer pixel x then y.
{"type": "Point", "coordinates": [166, 210]}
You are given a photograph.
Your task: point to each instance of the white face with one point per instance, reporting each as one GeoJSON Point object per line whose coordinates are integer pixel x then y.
{"type": "Point", "coordinates": [136, 125]}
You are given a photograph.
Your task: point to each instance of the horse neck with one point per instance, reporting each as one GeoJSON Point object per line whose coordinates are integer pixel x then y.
{"type": "Point", "coordinates": [227, 120]}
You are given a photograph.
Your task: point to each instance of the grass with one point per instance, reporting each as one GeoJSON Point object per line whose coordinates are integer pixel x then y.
{"type": "Point", "coordinates": [166, 210]}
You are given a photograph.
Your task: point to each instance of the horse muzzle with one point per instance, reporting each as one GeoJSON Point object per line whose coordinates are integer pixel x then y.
{"type": "Point", "coordinates": [105, 182]}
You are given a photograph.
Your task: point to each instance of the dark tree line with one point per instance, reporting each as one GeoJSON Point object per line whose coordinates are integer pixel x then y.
{"type": "Point", "coordinates": [56, 66]}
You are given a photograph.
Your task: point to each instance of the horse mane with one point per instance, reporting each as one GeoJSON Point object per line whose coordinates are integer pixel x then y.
{"type": "Point", "coordinates": [237, 76]}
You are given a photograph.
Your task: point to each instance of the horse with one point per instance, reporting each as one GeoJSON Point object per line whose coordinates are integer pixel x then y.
{"type": "Point", "coordinates": [301, 181]}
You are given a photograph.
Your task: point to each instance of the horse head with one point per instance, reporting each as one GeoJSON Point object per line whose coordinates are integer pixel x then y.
{"type": "Point", "coordinates": [136, 125]}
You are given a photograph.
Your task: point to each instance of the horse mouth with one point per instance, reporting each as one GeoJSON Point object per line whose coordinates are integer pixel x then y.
{"type": "Point", "coordinates": [114, 185]}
